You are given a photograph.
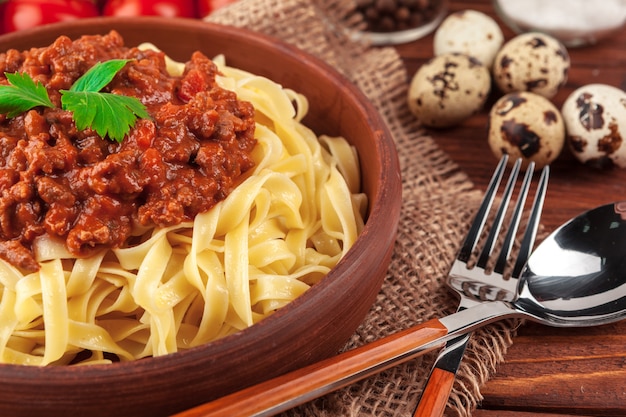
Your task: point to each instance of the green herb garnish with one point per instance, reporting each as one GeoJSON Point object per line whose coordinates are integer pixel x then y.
{"type": "Point", "coordinates": [23, 94]}
{"type": "Point", "coordinates": [108, 114]}
{"type": "Point", "coordinates": [98, 110]}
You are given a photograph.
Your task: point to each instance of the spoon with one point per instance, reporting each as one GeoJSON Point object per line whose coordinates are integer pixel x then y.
{"type": "Point", "coordinates": [576, 277]}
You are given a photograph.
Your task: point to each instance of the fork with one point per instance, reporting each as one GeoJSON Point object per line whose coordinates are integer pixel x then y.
{"type": "Point", "coordinates": [305, 384]}
{"type": "Point", "coordinates": [433, 400]}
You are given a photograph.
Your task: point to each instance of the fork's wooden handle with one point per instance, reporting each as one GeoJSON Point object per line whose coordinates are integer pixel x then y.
{"type": "Point", "coordinates": [439, 384]}
{"type": "Point", "coordinates": [435, 396]}
{"type": "Point", "coordinates": [305, 384]}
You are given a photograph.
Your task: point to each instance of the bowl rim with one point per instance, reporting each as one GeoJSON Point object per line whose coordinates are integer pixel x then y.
{"type": "Point", "coordinates": [384, 210]}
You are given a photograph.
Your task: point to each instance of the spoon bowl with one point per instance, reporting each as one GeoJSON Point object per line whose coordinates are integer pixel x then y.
{"type": "Point", "coordinates": [577, 276]}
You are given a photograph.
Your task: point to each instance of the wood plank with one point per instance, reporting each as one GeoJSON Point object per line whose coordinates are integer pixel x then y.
{"type": "Point", "coordinates": [574, 370]}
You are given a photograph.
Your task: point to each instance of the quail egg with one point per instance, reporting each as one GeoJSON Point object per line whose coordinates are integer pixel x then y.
{"type": "Point", "coordinates": [469, 32]}
{"type": "Point", "coordinates": [528, 126]}
{"type": "Point", "coordinates": [533, 62]}
{"type": "Point", "coordinates": [448, 89]}
{"type": "Point", "coordinates": [595, 122]}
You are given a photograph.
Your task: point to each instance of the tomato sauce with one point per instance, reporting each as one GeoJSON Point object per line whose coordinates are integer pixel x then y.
{"type": "Point", "coordinates": [91, 191]}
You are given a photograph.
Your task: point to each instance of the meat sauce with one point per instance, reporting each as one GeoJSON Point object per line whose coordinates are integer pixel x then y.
{"type": "Point", "coordinates": [93, 192]}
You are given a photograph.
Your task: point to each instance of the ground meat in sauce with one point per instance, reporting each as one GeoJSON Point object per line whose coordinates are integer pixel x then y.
{"type": "Point", "coordinates": [91, 191]}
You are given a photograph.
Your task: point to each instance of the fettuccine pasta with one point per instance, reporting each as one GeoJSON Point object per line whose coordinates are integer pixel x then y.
{"type": "Point", "coordinates": [280, 231]}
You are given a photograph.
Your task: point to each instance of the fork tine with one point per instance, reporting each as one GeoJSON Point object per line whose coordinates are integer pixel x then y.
{"type": "Point", "coordinates": [533, 223]}
{"type": "Point", "coordinates": [497, 222]}
{"type": "Point", "coordinates": [531, 227]}
{"type": "Point", "coordinates": [481, 216]}
{"type": "Point", "coordinates": [509, 239]}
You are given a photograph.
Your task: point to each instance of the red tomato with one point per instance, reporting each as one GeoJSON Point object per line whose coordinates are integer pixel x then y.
{"type": "Point", "coordinates": [205, 7]}
{"type": "Point", "coordinates": [23, 14]}
{"type": "Point", "coordinates": [167, 8]}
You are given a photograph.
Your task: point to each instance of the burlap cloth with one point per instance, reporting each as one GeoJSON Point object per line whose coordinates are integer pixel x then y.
{"type": "Point", "coordinates": [438, 203]}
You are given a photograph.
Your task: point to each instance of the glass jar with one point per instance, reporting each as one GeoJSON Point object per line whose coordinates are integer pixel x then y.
{"type": "Point", "coordinates": [390, 22]}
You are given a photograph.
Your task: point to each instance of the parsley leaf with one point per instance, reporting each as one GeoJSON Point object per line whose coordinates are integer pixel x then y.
{"type": "Point", "coordinates": [98, 76]}
{"type": "Point", "coordinates": [108, 114]}
{"type": "Point", "coordinates": [22, 95]}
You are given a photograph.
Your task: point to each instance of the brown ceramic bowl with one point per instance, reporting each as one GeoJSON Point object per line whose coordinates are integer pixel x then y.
{"type": "Point", "coordinates": [313, 327]}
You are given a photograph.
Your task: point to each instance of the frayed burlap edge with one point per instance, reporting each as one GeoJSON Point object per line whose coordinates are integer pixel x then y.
{"type": "Point", "coordinates": [438, 203]}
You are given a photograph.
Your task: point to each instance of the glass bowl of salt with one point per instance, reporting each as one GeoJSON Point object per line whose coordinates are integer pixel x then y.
{"type": "Point", "coordinates": [574, 22]}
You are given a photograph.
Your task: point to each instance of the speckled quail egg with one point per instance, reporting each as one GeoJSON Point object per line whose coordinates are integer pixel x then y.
{"type": "Point", "coordinates": [533, 62]}
{"type": "Point", "coordinates": [469, 32]}
{"type": "Point", "coordinates": [595, 122]}
{"type": "Point", "coordinates": [448, 89]}
{"type": "Point", "coordinates": [528, 126]}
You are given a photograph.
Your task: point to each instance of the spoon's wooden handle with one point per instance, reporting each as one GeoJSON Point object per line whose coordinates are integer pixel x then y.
{"type": "Point", "coordinates": [302, 385]}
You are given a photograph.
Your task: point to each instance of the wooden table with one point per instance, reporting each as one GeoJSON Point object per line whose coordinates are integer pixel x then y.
{"type": "Point", "coordinates": [548, 371]}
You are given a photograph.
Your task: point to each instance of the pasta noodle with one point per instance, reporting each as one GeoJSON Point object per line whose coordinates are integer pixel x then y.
{"type": "Point", "coordinates": [280, 231]}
